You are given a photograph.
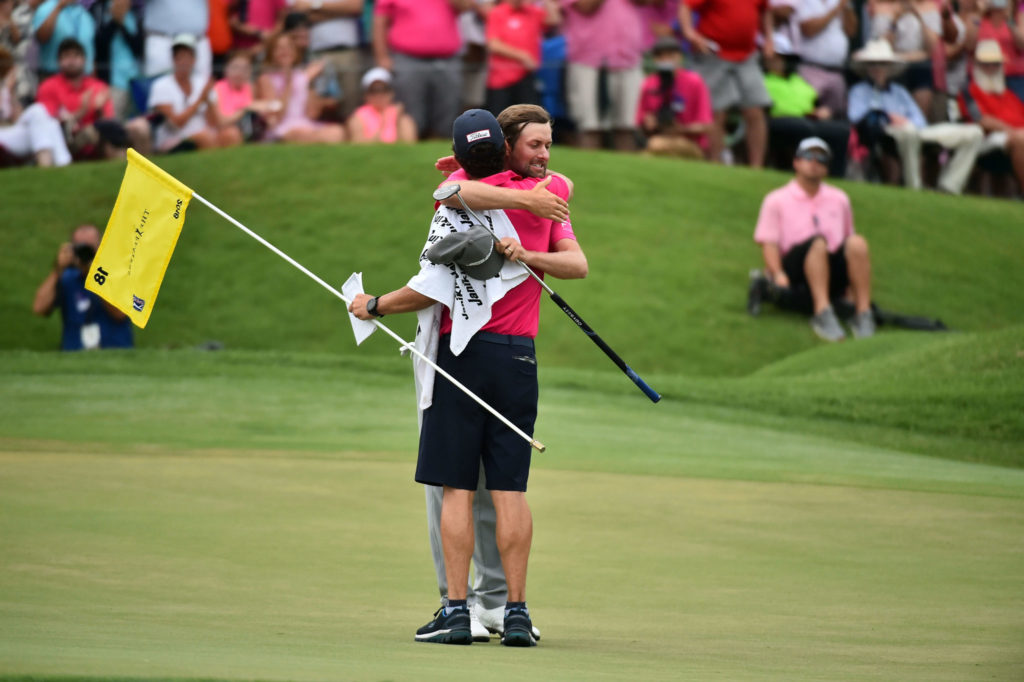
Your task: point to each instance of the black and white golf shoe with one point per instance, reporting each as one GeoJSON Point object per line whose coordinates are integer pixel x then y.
{"type": "Point", "coordinates": [518, 629]}
{"type": "Point", "coordinates": [450, 626]}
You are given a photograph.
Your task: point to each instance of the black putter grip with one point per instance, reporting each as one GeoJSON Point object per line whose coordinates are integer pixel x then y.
{"type": "Point", "coordinates": [627, 370]}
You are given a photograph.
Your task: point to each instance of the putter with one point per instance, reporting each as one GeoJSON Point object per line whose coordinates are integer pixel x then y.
{"type": "Point", "coordinates": [454, 189]}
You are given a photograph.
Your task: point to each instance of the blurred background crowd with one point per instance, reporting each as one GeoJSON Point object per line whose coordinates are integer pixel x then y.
{"type": "Point", "coordinates": [927, 93]}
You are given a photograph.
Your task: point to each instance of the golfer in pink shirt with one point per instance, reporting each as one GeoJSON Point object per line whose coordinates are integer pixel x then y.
{"type": "Point", "coordinates": [805, 230]}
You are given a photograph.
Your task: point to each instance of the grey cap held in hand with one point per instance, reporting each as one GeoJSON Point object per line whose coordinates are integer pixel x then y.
{"type": "Point", "coordinates": [472, 250]}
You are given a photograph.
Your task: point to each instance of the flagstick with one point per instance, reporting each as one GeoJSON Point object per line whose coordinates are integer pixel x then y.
{"type": "Point", "coordinates": [405, 344]}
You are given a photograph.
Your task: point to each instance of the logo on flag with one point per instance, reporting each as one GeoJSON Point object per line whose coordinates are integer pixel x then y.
{"type": "Point", "coordinates": [150, 203]}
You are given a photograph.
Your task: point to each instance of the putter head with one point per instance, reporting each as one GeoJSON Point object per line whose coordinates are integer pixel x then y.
{"type": "Point", "coordinates": [446, 192]}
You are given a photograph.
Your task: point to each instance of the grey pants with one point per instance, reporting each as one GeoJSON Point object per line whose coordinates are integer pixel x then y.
{"type": "Point", "coordinates": [488, 586]}
{"type": "Point", "coordinates": [431, 90]}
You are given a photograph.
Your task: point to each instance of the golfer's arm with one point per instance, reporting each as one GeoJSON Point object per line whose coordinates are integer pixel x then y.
{"type": "Point", "coordinates": [567, 261]}
{"type": "Point", "coordinates": [404, 300]}
{"type": "Point", "coordinates": [480, 196]}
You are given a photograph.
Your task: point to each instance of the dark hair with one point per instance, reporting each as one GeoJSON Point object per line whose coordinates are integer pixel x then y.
{"type": "Point", "coordinates": [293, 20]}
{"type": "Point", "coordinates": [483, 160]}
{"type": "Point", "coordinates": [516, 117]}
{"type": "Point", "coordinates": [69, 44]}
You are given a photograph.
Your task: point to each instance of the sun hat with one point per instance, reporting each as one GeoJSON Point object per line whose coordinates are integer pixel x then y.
{"type": "Point", "coordinates": [472, 250]}
{"type": "Point", "coordinates": [988, 52]}
{"type": "Point", "coordinates": [877, 51]}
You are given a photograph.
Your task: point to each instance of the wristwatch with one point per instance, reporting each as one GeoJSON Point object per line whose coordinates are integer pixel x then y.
{"type": "Point", "coordinates": [371, 307]}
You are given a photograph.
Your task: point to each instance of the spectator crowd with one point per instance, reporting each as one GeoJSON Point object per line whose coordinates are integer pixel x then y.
{"type": "Point", "coordinates": [927, 93]}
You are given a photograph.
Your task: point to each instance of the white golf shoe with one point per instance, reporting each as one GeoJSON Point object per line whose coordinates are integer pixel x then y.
{"type": "Point", "coordinates": [479, 632]}
{"type": "Point", "coordinates": [494, 620]}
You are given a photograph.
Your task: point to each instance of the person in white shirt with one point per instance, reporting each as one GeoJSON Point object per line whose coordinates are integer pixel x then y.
{"type": "Point", "coordinates": [186, 100]}
{"type": "Point", "coordinates": [825, 28]}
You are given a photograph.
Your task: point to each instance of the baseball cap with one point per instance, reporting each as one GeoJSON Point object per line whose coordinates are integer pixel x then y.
{"type": "Point", "coordinates": [666, 44]}
{"type": "Point", "coordinates": [998, 4]}
{"type": "Point", "coordinates": [472, 250]}
{"type": "Point", "coordinates": [184, 40]}
{"type": "Point", "coordinates": [377, 73]}
{"type": "Point", "coordinates": [810, 143]}
{"type": "Point", "coordinates": [475, 126]}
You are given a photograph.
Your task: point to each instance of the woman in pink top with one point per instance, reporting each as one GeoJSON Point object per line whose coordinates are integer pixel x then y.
{"type": "Point", "coordinates": [380, 119]}
{"type": "Point", "coordinates": [286, 82]}
{"type": "Point", "coordinates": [235, 98]}
{"type": "Point", "coordinates": [1002, 21]}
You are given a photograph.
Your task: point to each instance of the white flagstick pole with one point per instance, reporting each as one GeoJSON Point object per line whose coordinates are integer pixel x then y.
{"type": "Point", "coordinates": [405, 344]}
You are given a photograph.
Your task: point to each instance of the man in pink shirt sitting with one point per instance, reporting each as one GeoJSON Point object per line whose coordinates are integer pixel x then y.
{"type": "Point", "coordinates": [675, 105]}
{"type": "Point", "coordinates": [499, 362]}
{"type": "Point", "coordinates": [805, 230]}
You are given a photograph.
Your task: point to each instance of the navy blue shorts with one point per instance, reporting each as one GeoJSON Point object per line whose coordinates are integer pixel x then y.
{"type": "Point", "coordinates": [457, 434]}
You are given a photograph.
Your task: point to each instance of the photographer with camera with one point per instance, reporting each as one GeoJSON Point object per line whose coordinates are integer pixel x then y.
{"type": "Point", "coordinates": [675, 106]}
{"type": "Point", "coordinates": [89, 321]}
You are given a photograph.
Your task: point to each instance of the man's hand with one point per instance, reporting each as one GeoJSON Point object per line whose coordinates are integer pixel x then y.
{"type": "Point", "coordinates": [118, 9]}
{"type": "Point", "coordinates": [447, 165]}
{"type": "Point", "coordinates": [781, 280]}
{"type": "Point", "coordinates": [544, 204]}
{"type": "Point", "coordinates": [65, 257]}
{"type": "Point", "coordinates": [897, 120]}
{"type": "Point", "coordinates": [511, 249]}
{"type": "Point", "coordinates": [358, 307]}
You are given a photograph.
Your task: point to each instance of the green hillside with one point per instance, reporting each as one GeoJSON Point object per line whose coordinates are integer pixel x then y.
{"type": "Point", "coordinates": [669, 246]}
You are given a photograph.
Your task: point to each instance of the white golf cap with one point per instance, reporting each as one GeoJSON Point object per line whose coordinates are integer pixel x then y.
{"type": "Point", "coordinates": [374, 75]}
{"type": "Point", "coordinates": [809, 143]}
{"type": "Point", "coordinates": [184, 40]}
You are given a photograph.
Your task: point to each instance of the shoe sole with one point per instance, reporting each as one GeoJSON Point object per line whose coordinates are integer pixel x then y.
{"type": "Point", "coordinates": [447, 637]}
{"type": "Point", "coordinates": [518, 638]}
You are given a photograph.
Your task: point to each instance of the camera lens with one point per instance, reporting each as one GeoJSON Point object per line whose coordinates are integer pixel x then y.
{"type": "Point", "coordinates": [84, 252]}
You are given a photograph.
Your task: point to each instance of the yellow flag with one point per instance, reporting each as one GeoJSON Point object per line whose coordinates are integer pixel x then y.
{"type": "Point", "coordinates": [140, 237]}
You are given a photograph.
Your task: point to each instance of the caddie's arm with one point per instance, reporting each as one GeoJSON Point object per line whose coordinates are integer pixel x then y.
{"type": "Point", "coordinates": [567, 261]}
{"type": "Point", "coordinates": [404, 300]}
{"type": "Point", "coordinates": [539, 201]}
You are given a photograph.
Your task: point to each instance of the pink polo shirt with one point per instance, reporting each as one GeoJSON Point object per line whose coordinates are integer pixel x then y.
{"type": "Point", "coordinates": [789, 217]}
{"type": "Point", "coordinates": [421, 28]}
{"type": "Point", "coordinates": [518, 311]}
{"type": "Point", "coordinates": [613, 36]}
{"type": "Point", "coordinates": [691, 100]}
{"type": "Point", "coordinates": [522, 29]}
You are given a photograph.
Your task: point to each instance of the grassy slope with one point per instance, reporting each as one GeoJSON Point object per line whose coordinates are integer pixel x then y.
{"type": "Point", "coordinates": [669, 246]}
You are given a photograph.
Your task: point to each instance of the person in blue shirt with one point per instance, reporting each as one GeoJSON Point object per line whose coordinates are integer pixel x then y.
{"type": "Point", "coordinates": [88, 321]}
{"type": "Point", "coordinates": [885, 114]}
{"type": "Point", "coordinates": [55, 20]}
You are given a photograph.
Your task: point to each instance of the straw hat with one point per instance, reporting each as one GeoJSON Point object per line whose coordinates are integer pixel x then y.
{"type": "Point", "coordinates": [877, 51]}
{"type": "Point", "coordinates": [988, 52]}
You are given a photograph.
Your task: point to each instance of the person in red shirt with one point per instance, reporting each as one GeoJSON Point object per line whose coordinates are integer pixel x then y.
{"type": "Point", "coordinates": [991, 104]}
{"type": "Point", "coordinates": [675, 105]}
{"type": "Point", "coordinates": [83, 106]}
{"type": "Point", "coordinates": [515, 29]}
{"type": "Point", "coordinates": [724, 43]}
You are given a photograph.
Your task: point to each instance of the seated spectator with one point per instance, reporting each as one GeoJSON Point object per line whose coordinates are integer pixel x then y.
{"type": "Point", "coordinates": [914, 28]}
{"type": "Point", "coordinates": [83, 105]}
{"type": "Point", "coordinates": [989, 102]}
{"type": "Point", "coordinates": [287, 82]}
{"type": "Point", "coordinates": [30, 133]}
{"type": "Point", "coordinates": [886, 114]}
{"type": "Point", "coordinates": [725, 55]}
{"type": "Point", "coordinates": [53, 22]}
{"type": "Point", "coordinates": [824, 29]}
{"type": "Point", "coordinates": [88, 321]}
{"type": "Point", "coordinates": [514, 32]}
{"type": "Point", "coordinates": [807, 239]}
{"type": "Point", "coordinates": [675, 106]}
{"type": "Point", "coordinates": [187, 103]}
{"type": "Point", "coordinates": [120, 47]}
{"type": "Point", "coordinates": [235, 102]}
{"type": "Point", "coordinates": [1003, 21]}
{"type": "Point", "coordinates": [380, 119]}
{"type": "Point", "coordinates": [605, 49]}
{"type": "Point", "coordinates": [797, 113]}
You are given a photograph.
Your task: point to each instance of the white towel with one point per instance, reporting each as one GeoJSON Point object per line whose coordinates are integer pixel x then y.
{"type": "Point", "coordinates": [468, 299]}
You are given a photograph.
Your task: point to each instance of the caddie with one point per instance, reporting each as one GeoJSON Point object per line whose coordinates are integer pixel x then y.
{"type": "Point", "coordinates": [492, 354]}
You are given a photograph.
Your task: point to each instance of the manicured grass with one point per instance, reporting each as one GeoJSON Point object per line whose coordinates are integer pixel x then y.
{"type": "Point", "coordinates": [167, 526]}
